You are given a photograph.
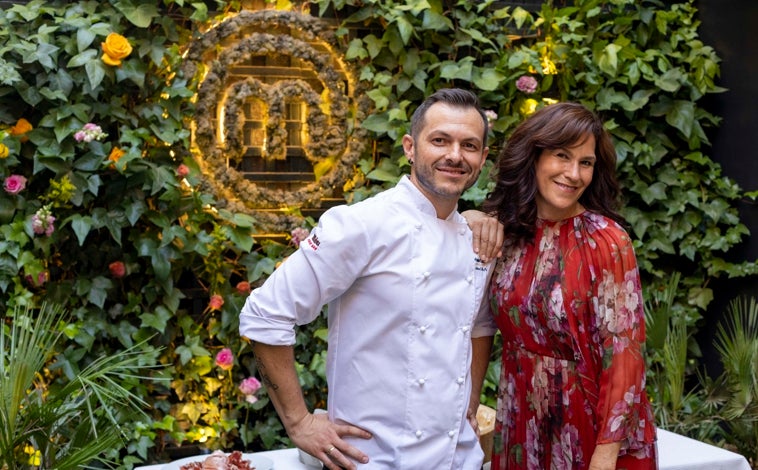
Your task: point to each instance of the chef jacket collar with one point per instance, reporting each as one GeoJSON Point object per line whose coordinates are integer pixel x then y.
{"type": "Point", "coordinates": [422, 203]}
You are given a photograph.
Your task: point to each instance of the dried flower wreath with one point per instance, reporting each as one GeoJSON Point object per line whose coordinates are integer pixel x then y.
{"type": "Point", "coordinates": [334, 140]}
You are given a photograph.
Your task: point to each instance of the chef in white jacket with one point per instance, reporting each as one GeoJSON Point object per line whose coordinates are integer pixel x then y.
{"type": "Point", "coordinates": [408, 345]}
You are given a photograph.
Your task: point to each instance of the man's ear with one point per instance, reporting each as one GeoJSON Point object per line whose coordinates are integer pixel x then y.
{"type": "Point", "coordinates": [485, 152]}
{"type": "Point", "coordinates": [408, 144]}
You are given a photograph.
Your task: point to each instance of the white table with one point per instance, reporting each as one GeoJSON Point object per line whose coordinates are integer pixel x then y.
{"type": "Point", "coordinates": [675, 452]}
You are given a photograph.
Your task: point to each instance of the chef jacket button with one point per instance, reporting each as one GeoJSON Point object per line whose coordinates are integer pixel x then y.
{"type": "Point", "coordinates": [461, 231]}
{"type": "Point", "coordinates": [427, 274]}
{"type": "Point", "coordinates": [422, 329]}
{"type": "Point", "coordinates": [419, 433]}
{"type": "Point", "coordinates": [465, 329]}
{"type": "Point", "coordinates": [418, 226]}
{"type": "Point", "coordinates": [470, 279]}
{"type": "Point", "coordinates": [460, 380]}
{"type": "Point", "coordinates": [451, 433]}
{"type": "Point", "coordinates": [421, 381]}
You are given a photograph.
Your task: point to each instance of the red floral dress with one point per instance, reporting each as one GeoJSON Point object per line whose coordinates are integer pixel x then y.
{"type": "Point", "coordinates": [570, 311]}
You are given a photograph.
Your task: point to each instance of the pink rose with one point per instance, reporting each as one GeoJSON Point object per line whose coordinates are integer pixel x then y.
{"type": "Point", "coordinates": [182, 170]}
{"type": "Point", "coordinates": [225, 359]}
{"type": "Point", "coordinates": [216, 302]}
{"type": "Point", "coordinates": [14, 184]}
{"type": "Point", "coordinates": [249, 386]}
{"type": "Point", "coordinates": [243, 287]}
{"type": "Point", "coordinates": [527, 84]}
{"type": "Point", "coordinates": [117, 269]}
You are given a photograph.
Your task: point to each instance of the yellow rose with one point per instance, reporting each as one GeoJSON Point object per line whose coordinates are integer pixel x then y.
{"type": "Point", "coordinates": [22, 127]}
{"type": "Point", "coordinates": [3, 151]}
{"type": "Point", "coordinates": [116, 154]}
{"type": "Point", "coordinates": [115, 48]}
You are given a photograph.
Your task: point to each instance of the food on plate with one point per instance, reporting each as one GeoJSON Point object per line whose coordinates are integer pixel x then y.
{"type": "Point", "coordinates": [220, 461]}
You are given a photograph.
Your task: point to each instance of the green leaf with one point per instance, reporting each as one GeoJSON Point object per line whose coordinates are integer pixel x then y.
{"type": "Point", "coordinates": [681, 116]}
{"type": "Point", "coordinates": [379, 95]}
{"type": "Point", "coordinates": [488, 79]}
{"type": "Point", "coordinates": [608, 61]}
{"type": "Point", "coordinates": [457, 70]}
{"type": "Point", "coordinates": [355, 50]}
{"type": "Point", "coordinates": [377, 123]}
{"type": "Point", "coordinates": [670, 81]}
{"type": "Point", "coordinates": [84, 37]}
{"type": "Point", "coordinates": [374, 45]}
{"type": "Point", "coordinates": [436, 22]}
{"type": "Point", "coordinates": [405, 28]}
{"type": "Point", "coordinates": [133, 210]}
{"type": "Point", "coordinates": [700, 297]}
{"type": "Point", "coordinates": [141, 15]}
{"type": "Point", "coordinates": [81, 226]}
{"type": "Point", "coordinates": [95, 72]}
{"type": "Point", "coordinates": [133, 70]}
{"type": "Point", "coordinates": [157, 320]}
{"type": "Point", "coordinates": [161, 263]}
{"type": "Point", "coordinates": [242, 237]}
{"type": "Point", "coordinates": [98, 291]}
{"type": "Point", "coordinates": [46, 54]}
{"type": "Point", "coordinates": [83, 58]}
{"type": "Point", "coordinates": [654, 192]}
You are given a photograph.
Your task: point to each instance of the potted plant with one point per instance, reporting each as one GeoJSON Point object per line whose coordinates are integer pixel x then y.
{"type": "Point", "coordinates": [47, 420]}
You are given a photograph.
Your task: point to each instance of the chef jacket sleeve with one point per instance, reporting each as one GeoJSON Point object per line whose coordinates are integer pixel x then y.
{"type": "Point", "coordinates": [326, 265]}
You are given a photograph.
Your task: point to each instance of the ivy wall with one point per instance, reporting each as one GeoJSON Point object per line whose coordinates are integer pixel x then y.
{"type": "Point", "coordinates": [118, 224]}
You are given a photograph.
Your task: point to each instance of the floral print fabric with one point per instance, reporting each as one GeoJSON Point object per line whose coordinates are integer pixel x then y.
{"type": "Point", "coordinates": [570, 310]}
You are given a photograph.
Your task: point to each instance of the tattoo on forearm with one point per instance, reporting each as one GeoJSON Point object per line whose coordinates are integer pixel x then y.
{"type": "Point", "coordinates": [264, 376]}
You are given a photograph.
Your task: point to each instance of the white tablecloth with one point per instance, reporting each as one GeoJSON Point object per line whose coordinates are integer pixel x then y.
{"type": "Point", "coordinates": [675, 452]}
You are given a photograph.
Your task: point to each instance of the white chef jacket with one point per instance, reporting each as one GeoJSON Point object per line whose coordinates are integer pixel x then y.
{"type": "Point", "coordinates": [404, 290]}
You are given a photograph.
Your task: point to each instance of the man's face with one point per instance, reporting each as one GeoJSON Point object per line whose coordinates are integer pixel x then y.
{"type": "Point", "coordinates": [447, 155]}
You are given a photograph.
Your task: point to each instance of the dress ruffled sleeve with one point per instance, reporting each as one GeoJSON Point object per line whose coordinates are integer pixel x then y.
{"type": "Point", "coordinates": [617, 304]}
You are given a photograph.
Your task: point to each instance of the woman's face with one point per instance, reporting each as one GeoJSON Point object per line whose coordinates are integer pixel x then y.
{"type": "Point", "coordinates": [562, 176]}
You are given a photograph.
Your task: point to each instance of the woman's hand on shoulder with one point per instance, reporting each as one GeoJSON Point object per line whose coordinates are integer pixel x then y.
{"type": "Point", "coordinates": [488, 234]}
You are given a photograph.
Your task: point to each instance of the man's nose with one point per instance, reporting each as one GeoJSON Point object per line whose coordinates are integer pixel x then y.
{"type": "Point", "coordinates": [455, 153]}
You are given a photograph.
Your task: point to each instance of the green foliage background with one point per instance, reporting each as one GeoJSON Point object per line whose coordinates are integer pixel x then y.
{"type": "Point", "coordinates": [640, 64]}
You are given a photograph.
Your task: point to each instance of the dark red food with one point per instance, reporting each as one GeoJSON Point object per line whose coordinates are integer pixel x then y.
{"type": "Point", "coordinates": [234, 461]}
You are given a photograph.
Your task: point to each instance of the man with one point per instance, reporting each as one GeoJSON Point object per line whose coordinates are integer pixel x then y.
{"type": "Point", "coordinates": [407, 346]}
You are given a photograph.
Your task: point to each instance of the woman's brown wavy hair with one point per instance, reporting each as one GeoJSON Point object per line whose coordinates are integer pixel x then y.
{"type": "Point", "coordinates": [560, 125]}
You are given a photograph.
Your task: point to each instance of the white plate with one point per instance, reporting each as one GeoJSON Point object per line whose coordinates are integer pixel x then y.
{"type": "Point", "coordinates": [257, 461]}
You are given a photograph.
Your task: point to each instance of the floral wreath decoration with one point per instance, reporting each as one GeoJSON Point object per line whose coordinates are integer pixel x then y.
{"type": "Point", "coordinates": [335, 138]}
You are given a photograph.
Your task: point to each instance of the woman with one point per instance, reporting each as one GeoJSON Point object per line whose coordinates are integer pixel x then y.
{"type": "Point", "coordinates": [566, 296]}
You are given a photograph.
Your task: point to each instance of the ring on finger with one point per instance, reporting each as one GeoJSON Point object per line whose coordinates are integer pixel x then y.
{"type": "Point", "coordinates": [331, 449]}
